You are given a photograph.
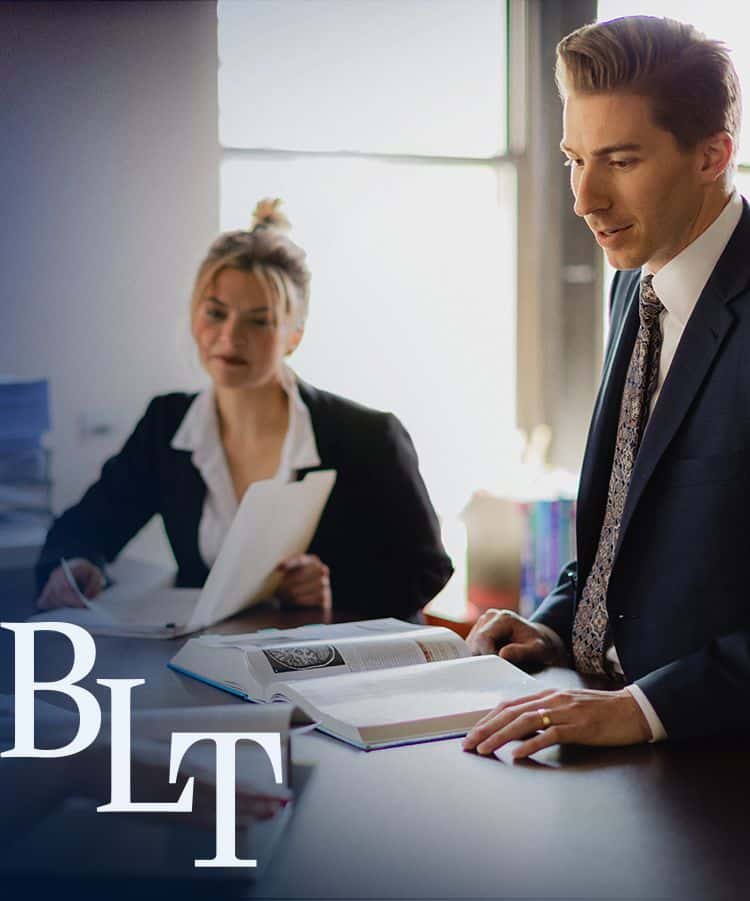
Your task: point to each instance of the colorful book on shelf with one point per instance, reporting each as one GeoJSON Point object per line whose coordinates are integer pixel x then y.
{"type": "Point", "coordinates": [374, 684]}
{"type": "Point", "coordinates": [548, 543]}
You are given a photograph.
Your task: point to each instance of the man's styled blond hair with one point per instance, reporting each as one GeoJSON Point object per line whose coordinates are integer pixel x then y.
{"type": "Point", "coordinates": [689, 79]}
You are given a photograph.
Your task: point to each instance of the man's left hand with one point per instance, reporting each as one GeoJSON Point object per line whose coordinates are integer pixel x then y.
{"type": "Point", "coordinates": [578, 716]}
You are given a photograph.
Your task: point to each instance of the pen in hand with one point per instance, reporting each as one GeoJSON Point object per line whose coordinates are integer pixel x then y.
{"type": "Point", "coordinates": [71, 580]}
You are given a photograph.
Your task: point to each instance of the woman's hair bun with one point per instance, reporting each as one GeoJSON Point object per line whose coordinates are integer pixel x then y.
{"type": "Point", "coordinates": [267, 214]}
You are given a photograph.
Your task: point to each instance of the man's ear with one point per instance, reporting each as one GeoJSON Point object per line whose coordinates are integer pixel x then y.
{"type": "Point", "coordinates": [716, 155]}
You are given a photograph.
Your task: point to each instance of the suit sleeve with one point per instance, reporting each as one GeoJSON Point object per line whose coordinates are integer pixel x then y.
{"type": "Point", "coordinates": [706, 692]}
{"type": "Point", "coordinates": [556, 610]}
{"type": "Point", "coordinates": [402, 563]}
{"type": "Point", "coordinates": [114, 508]}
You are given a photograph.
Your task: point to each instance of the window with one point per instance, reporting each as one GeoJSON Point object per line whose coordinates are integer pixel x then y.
{"type": "Point", "coordinates": [381, 125]}
{"type": "Point", "coordinates": [375, 76]}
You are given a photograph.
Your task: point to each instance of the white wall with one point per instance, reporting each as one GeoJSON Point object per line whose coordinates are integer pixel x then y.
{"type": "Point", "coordinates": [108, 118]}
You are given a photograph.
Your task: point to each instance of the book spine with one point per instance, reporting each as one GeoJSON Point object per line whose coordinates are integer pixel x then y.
{"type": "Point", "coordinates": [526, 593]}
{"type": "Point", "coordinates": [543, 536]}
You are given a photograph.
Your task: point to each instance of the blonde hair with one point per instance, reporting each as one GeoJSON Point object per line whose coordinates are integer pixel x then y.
{"type": "Point", "coordinates": [689, 79]}
{"type": "Point", "coordinates": [266, 250]}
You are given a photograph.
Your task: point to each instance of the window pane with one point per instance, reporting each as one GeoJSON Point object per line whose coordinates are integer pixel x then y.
{"type": "Point", "coordinates": [413, 298]}
{"type": "Point", "coordinates": [725, 20]}
{"type": "Point", "coordinates": [377, 76]}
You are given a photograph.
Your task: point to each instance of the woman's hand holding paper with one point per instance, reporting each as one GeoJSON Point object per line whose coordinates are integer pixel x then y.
{"type": "Point", "coordinates": [305, 582]}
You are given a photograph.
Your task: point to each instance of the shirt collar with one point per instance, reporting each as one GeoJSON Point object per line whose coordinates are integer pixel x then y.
{"type": "Point", "coordinates": [300, 449]}
{"type": "Point", "coordinates": [199, 432]}
{"type": "Point", "coordinates": [679, 284]}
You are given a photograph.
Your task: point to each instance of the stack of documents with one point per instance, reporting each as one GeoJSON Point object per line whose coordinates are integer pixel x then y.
{"type": "Point", "coordinates": [24, 477]}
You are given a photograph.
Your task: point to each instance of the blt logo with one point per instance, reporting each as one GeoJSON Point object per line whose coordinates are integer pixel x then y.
{"type": "Point", "coordinates": [90, 719]}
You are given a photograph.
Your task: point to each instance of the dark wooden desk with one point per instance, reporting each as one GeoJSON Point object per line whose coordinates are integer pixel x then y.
{"type": "Point", "coordinates": [429, 821]}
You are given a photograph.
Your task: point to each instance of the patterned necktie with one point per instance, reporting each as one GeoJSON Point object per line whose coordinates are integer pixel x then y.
{"type": "Point", "coordinates": [591, 621]}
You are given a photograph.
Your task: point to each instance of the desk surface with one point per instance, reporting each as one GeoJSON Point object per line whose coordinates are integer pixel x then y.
{"type": "Point", "coordinates": [429, 821]}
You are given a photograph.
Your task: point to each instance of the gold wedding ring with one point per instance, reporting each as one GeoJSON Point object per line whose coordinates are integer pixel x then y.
{"type": "Point", "coordinates": [546, 721]}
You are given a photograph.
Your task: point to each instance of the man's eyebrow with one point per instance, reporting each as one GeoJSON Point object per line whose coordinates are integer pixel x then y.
{"type": "Point", "coordinates": [605, 151]}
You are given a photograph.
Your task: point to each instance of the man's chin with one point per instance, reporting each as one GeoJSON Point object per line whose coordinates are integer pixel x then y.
{"type": "Point", "coordinates": [624, 260]}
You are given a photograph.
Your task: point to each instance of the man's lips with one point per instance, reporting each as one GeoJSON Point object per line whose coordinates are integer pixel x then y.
{"type": "Point", "coordinates": [608, 232]}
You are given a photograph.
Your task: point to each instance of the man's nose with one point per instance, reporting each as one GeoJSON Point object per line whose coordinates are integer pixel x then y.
{"type": "Point", "coordinates": [590, 196]}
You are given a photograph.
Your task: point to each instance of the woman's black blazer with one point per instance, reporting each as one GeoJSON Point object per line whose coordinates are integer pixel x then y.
{"type": "Point", "coordinates": [378, 533]}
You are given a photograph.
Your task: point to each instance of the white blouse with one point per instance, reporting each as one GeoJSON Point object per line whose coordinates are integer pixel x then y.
{"type": "Point", "coordinates": [199, 433]}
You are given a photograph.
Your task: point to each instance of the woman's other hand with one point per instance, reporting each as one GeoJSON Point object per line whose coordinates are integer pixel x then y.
{"type": "Point", "coordinates": [305, 582]}
{"type": "Point", "coordinates": [58, 593]}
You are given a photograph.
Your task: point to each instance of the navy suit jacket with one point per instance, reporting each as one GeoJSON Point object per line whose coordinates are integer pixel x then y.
{"type": "Point", "coordinates": [378, 533]}
{"type": "Point", "coordinates": [678, 600]}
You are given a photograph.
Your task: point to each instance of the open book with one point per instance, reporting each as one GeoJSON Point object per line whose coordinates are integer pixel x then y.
{"type": "Point", "coordinates": [274, 521]}
{"type": "Point", "coordinates": [374, 684]}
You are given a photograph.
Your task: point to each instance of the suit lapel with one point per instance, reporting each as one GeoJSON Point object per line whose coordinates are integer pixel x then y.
{"type": "Point", "coordinates": [701, 341]}
{"type": "Point", "coordinates": [698, 347]}
{"type": "Point", "coordinates": [324, 435]}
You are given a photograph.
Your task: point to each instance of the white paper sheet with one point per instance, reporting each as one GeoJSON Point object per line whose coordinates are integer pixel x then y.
{"type": "Point", "coordinates": [274, 521]}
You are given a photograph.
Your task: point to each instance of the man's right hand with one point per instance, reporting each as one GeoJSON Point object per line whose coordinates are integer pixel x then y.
{"type": "Point", "coordinates": [513, 638]}
{"type": "Point", "coordinates": [58, 593]}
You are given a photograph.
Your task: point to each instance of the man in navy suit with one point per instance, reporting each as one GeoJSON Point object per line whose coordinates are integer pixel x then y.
{"type": "Point", "coordinates": [657, 599]}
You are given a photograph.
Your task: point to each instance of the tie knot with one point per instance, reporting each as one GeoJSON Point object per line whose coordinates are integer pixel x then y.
{"type": "Point", "coordinates": [650, 306]}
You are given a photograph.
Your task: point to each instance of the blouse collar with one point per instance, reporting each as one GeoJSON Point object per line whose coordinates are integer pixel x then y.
{"type": "Point", "coordinates": [199, 434]}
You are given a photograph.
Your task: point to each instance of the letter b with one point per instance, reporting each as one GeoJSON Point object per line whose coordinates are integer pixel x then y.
{"type": "Point", "coordinates": [84, 655]}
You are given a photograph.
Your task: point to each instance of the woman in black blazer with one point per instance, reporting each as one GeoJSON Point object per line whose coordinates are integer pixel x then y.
{"type": "Point", "coordinates": [377, 548]}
